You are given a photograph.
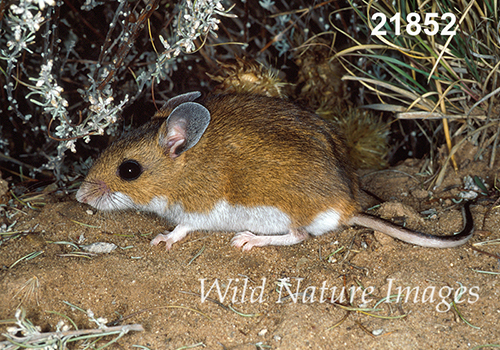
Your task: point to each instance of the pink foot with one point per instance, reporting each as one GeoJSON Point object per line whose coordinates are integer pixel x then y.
{"type": "Point", "coordinates": [246, 240]}
{"type": "Point", "coordinates": [175, 236]}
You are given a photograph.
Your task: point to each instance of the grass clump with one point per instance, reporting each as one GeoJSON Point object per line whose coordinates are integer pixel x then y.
{"type": "Point", "coordinates": [422, 72]}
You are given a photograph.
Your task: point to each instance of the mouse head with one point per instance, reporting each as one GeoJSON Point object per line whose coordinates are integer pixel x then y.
{"type": "Point", "coordinates": [142, 164]}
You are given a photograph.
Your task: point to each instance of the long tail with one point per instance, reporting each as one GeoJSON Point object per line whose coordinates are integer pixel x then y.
{"type": "Point", "coordinates": [415, 237]}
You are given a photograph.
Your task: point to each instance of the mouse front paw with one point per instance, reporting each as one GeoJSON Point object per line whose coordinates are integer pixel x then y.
{"type": "Point", "coordinates": [163, 238]}
{"type": "Point", "coordinates": [170, 238]}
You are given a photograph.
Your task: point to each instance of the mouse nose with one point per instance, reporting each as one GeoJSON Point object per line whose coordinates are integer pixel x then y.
{"type": "Point", "coordinates": [90, 191]}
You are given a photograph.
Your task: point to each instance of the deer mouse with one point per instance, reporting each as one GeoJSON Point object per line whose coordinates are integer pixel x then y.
{"type": "Point", "coordinates": [262, 167]}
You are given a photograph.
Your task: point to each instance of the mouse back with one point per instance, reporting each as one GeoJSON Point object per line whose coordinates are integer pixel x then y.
{"type": "Point", "coordinates": [269, 152]}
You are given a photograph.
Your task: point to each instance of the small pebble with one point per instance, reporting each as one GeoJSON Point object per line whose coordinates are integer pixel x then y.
{"type": "Point", "coordinates": [262, 332]}
{"type": "Point", "coordinates": [99, 247]}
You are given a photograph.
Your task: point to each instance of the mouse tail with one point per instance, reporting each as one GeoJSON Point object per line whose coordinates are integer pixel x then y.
{"type": "Point", "coordinates": [415, 237]}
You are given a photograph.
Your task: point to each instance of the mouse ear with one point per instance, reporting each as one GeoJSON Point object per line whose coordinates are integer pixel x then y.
{"type": "Point", "coordinates": [183, 128]}
{"type": "Point", "coordinates": [177, 100]}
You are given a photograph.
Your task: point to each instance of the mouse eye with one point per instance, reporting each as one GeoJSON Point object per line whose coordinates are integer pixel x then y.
{"type": "Point", "coordinates": [129, 170]}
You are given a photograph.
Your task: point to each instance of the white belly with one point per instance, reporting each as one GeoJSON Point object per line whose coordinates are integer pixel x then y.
{"type": "Point", "coordinates": [262, 220]}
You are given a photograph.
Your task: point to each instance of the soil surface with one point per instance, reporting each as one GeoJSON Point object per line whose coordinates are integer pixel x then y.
{"type": "Point", "coordinates": [173, 294]}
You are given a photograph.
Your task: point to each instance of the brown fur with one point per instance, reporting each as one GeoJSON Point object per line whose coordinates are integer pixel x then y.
{"type": "Point", "coordinates": [256, 151]}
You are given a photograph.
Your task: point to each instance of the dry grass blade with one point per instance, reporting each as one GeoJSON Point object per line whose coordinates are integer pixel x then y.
{"type": "Point", "coordinates": [26, 257]}
{"type": "Point", "coordinates": [435, 115]}
{"type": "Point", "coordinates": [464, 16]}
{"type": "Point", "coordinates": [487, 272]}
{"type": "Point", "coordinates": [242, 314]}
{"type": "Point", "coordinates": [462, 317]}
{"type": "Point", "coordinates": [393, 89]}
{"type": "Point", "coordinates": [196, 255]}
{"type": "Point", "coordinates": [29, 290]}
{"type": "Point", "coordinates": [342, 320]}
{"type": "Point", "coordinates": [35, 202]}
{"type": "Point", "coordinates": [491, 242]}
{"type": "Point", "coordinates": [191, 346]}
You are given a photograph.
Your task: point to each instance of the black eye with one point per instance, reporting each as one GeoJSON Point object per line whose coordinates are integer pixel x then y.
{"type": "Point", "coordinates": [129, 170]}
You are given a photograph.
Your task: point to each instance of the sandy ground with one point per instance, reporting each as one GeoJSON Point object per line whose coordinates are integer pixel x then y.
{"type": "Point", "coordinates": [173, 295]}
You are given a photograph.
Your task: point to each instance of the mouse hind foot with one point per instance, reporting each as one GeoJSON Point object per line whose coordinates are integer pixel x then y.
{"type": "Point", "coordinates": [246, 240]}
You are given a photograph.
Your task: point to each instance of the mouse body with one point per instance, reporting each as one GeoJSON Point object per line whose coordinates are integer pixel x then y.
{"type": "Point", "coordinates": [258, 166]}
